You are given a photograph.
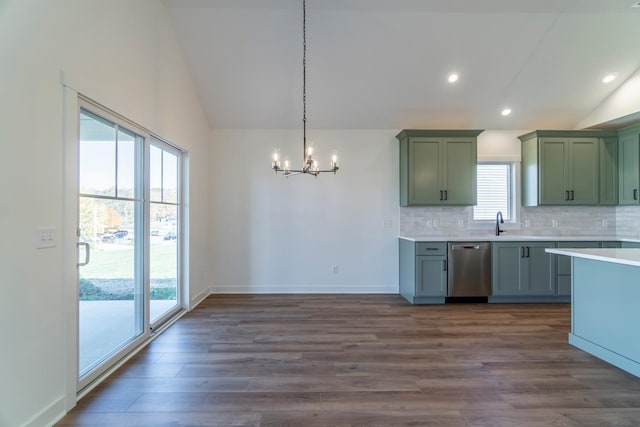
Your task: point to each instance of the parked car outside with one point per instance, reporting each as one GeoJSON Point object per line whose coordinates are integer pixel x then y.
{"type": "Point", "coordinates": [108, 238]}
{"type": "Point", "coordinates": [170, 236]}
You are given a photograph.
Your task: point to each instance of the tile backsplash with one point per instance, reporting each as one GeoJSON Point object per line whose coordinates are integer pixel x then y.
{"type": "Point", "coordinates": [542, 221]}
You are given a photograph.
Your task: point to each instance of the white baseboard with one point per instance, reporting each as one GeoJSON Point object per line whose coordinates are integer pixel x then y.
{"type": "Point", "coordinates": [201, 296]}
{"type": "Point", "coordinates": [305, 289]}
{"type": "Point", "coordinates": [49, 415]}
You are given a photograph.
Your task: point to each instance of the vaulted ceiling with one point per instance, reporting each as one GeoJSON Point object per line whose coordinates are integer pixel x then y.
{"type": "Point", "coordinates": [383, 64]}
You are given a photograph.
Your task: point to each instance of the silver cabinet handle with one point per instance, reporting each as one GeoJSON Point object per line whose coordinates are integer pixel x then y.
{"type": "Point", "coordinates": [87, 253]}
{"type": "Point", "coordinates": [444, 265]}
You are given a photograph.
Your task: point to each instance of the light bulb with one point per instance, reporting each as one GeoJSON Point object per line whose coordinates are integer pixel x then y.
{"type": "Point", "coordinates": [453, 78]}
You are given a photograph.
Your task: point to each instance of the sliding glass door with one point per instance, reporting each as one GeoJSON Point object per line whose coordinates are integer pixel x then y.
{"type": "Point", "coordinates": [129, 238]}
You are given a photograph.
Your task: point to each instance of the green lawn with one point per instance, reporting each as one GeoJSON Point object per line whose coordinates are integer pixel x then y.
{"type": "Point", "coordinates": [118, 263]}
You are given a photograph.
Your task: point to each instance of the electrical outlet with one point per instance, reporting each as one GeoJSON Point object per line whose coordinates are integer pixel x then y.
{"type": "Point", "coordinates": [554, 223]}
{"type": "Point", "coordinates": [527, 223]}
{"type": "Point", "coordinates": [46, 237]}
{"type": "Point", "coordinates": [605, 223]}
{"type": "Point", "coordinates": [435, 223]}
{"type": "Point", "coordinates": [335, 269]}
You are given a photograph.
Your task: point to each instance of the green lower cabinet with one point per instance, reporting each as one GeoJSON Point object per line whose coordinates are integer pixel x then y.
{"type": "Point", "coordinates": [431, 276]}
{"type": "Point", "coordinates": [634, 245]}
{"type": "Point", "coordinates": [523, 271]}
{"type": "Point", "coordinates": [423, 271]}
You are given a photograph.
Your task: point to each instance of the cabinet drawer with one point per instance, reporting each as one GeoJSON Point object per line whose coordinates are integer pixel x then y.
{"type": "Point", "coordinates": [431, 248]}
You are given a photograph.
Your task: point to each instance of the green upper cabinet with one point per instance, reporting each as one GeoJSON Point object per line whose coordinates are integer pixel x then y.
{"type": "Point", "coordinates": [629, 165]}
{"type": "Point", "coordinates": [569, 168]}
{"type": "Point", "coordinates": [609, 171]}
{"type": "Point", "coordinates": [438, 167]}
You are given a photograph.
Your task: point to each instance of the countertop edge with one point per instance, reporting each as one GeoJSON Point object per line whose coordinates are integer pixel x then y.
{"type": "Point", "coordinates": [630, 256]}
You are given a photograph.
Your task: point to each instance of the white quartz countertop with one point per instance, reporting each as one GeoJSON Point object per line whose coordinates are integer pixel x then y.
{"type": "Point", "coordinates": [615, 255]}
{"type": "Point", "coordinates": [489, 237]}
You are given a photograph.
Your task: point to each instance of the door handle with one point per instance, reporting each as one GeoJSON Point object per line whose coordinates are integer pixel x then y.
{"type": "Point", "coordinates": [444, 265]}
{"type": "Point", "coordinates": [87, 253]}
{"type": "Point", "coordinates": [635, 194]}
{"type": "Point", "coordinates": [566, 195]}
{"type": "Point", "coordinates": [441, 195]}
{"type": "Point", "coordinates": [446, 196]}
{"type": "Point", "coordinates": [521, 251]}
{"type": "Point", "coordinates": [572, 194]}
{"type": "Point", "coordinates": [528, 251]}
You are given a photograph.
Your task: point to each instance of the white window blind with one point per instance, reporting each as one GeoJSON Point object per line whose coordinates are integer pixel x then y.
{"type": "Point", "coordinates": [494, 191]}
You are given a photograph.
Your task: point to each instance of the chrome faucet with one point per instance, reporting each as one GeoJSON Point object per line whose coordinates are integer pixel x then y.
{"type": "Point", "coordinates": [499, 220]}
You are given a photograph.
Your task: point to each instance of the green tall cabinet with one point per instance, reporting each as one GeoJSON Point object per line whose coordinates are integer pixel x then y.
{"type": "Point", "coordinates": [438, 167]}
{"type": "Point", "coordinates": [569, 168]}
{"type": "Point", "coordinates": [629, 165]}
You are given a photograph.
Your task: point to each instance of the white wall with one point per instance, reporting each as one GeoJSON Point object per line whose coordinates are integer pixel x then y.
{"type": "Point", "coordinates": [124, 55]}
{"type": "Point", "coordinates": [273, 234]}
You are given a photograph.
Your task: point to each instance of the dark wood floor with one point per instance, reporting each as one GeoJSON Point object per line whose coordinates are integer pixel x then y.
{"type": "Point", "coordinates": [375, 360]}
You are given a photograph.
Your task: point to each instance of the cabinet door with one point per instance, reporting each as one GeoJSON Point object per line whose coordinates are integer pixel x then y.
{"type": "Point", "coordinates": [584, 171]}
{"type": "Point", "coordinates": [424, 171]}
{"type": "Point", "coordinates": [537, 275]}
{"type": "Point", "coordinates": [553, 165]}
{"type": "Point", "coordinates": [431, 276]}
{"type": "Point", "coordinates": [460, 171]}
{"type": "Point", "coordinates": [609, 171]}
{"type": "Point", "coordinates": [629, 169]}
{"type": "Point", "coordinates": [506, 259]}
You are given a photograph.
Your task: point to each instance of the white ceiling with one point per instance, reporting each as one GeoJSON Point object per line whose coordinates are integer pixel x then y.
{"type": "Point", "coordinates": [383, 64]}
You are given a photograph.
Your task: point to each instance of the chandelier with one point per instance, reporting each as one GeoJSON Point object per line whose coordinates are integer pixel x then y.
{"type": "Point", "coordinates": [309, 163]}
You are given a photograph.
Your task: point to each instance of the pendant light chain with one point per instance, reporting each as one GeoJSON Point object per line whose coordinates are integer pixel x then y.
{"type": "Point", "coordinates": [309, 164]}
{"type": "Point", "coordinates": [304, 80]}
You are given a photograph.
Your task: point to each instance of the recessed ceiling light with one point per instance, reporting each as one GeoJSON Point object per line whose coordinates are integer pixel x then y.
{"type": "Point", "coordinates": [506, 111]}
{"type": "Point", "coordinates": [608, 78]}
{"type": "Point", "coordinates": [453, 77]}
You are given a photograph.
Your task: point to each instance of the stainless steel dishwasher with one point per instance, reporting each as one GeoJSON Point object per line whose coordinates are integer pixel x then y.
{"type": "Point", "coordinates": [469, 269]}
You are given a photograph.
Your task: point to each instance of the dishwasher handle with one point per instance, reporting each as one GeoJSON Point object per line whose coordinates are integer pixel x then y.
{"type": "Point", "coordinates": [468, 247]}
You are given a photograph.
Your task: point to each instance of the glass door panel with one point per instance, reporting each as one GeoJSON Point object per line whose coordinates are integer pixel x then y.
{"type": "Point", "coordinates": [110, 224]}
{"type": "Point", "coordinates": [165, 232]}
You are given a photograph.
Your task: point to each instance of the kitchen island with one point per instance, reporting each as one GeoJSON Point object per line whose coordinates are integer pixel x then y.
{"type": "Point", "coordinates": [605, 304]}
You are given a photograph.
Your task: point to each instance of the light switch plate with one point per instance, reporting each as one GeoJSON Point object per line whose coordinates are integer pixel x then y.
{"type": "Point", "coordinates": [46, 238]}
